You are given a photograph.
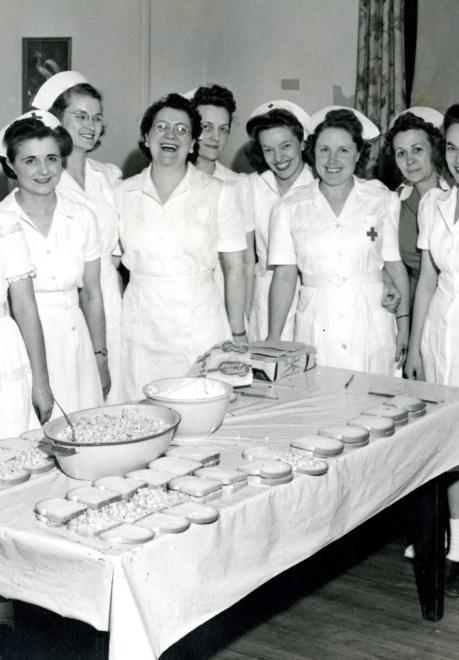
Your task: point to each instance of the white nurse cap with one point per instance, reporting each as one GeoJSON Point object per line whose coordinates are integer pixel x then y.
{"type": "Point", "coordinates": [369, 132]}
{"type": "Point", "coordinates": [281, 104]}
{"type": "Point", "coordinates": [190, 95]}
{"type": "Point", "coordinates": [429, 115]}
{"type": "Point", "coordinates": [55, 86]}
{"type": "Point", "coordinates": [46, 117]}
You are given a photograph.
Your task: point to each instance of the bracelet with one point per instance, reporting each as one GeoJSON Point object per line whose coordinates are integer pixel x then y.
{"type": "Point", "coordinates": [403, 316]}
{"type": "Point", "coordinates": [101, 351]}
{"type": "Point", "coordinates": [239, 334]}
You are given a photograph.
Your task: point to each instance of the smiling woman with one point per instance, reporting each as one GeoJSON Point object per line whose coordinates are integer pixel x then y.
{"type": "Point", "coordinates": [175, 221]}
{"type": "Point", "coordinates": [339, 232]}
{"type": "Point", "coordinates": [63, 241]}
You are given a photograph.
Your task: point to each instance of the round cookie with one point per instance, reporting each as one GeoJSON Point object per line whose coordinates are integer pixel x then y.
{"type": "Point", "coordinates": [348, 434]}
{"type": "Point", "coordinates": [397, 415]}
{"type": "Point", "coordinates": [322, 446]}
{"type": "Point", "coordinates": [406, 402]}
{"type": "Point", "coordinates": [378, 427]}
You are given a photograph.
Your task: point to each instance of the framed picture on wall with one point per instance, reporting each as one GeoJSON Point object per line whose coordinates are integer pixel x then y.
{"type": "Point", "coordinates": [42, 57]}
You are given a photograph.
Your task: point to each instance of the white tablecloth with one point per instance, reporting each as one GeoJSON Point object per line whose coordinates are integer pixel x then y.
{"type": "Point", "coordinates": [153, 594]}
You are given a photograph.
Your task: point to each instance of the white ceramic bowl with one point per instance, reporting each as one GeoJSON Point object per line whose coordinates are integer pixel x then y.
{"type": "Point", "coordinates": [91, 461]}
{"type": "Point", "coordinates": [200, 416]}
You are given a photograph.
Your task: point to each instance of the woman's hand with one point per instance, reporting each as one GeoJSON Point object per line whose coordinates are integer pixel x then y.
{"type": "Point", "coordinates": [240, 338]}
{"type": "Point", "coordinates": [104, 374]}
{"type": "Point", "coordinates": [42, 400]}
{"type": "Point", "coordinates": [391, 296]}
{"type": "Point", "coordinates": [413, 365]}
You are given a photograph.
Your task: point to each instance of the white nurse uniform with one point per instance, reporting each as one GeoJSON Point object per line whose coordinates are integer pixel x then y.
{"type": "Point", "coordinates": [340, 259]}
{"type": "Point", "coordinates": [172, 308]}
{"type": "Point", "coordinates": [261, 193]}
{"type": "Point", "coordinates": [440, 336]}
{"type": "Point", "coordinates": [59, 259]}
{"type": "Point", "coordinates": [99, 196]}
{"type": "Point", "coordinates": [16, 413]}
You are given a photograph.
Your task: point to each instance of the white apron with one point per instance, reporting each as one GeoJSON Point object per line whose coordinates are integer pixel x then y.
{"type": "Point", "coordinates": [167, 323]}
{"type": "Point", "coordinates": [440, 336]}
{"type": "Point", "coordinates": [98, 195]}
{"type": "Point", "coordinates": [260, 195]}
{"type": "Point", "coordinates": [340, 260]}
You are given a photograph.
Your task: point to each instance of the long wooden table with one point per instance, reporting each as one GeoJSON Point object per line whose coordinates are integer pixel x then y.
{"type": "Point", "coordinates": [151, 595]}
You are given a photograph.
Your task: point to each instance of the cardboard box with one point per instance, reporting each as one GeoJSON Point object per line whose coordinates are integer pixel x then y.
{"type": "Point", "coordinates": [273, 360]}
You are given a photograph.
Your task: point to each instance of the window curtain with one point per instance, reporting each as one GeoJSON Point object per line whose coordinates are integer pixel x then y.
{"type": "Point", "coordinates": [380, 85]}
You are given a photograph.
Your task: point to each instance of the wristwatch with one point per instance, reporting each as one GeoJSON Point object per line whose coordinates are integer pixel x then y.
{"type": "Point", "coordinates": [101, 351]}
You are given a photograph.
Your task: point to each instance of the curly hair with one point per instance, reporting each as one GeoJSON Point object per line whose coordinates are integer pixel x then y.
{"type": "Point", "coordinates": [275, 118]}
{"type": "Point", "coordinates": [347, 121]}
{"type": "Point", "coordinates": [409, 121]}
{"type": "Point", "coordinates": [63, 101]}
{"type": "Point", "coordinates": [215, 95]}
{"type": "Point", "coordinates": [451, 116]}
{"type": "Point", "coordinates": [177, 102]}
{"type": "Point", "coordinates": [22, 130]}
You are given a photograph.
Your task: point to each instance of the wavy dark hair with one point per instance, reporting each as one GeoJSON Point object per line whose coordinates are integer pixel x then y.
{"type": "Point", "coordinates": [216, 95]}
{"type": "Point", "coordinates": [451, 116]}
{"type": "Point", "coordinates": [177, 102]}
{"type": "Point", "coordinates": [275, 118]}
{"type": "Point", "coordinates": [407, 122]}
{"type": "Point", "coordinates": [347, 121]}
{"type": "Point", "coordinates": [63, 101]}
{"type": "Point", "coordinates": [22, 130]}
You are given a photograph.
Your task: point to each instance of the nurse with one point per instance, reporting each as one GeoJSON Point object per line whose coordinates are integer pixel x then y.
{"type": "Point", "coordinates": [434, 343]}
{"type": "Point", "coordinates": [277, 130]}
{"type": "Point", "coordinates": [416, 146]}
{"type": "Point", "coordinates": [23, 374]}
{"type": "Point", "coordinates": [174, 223]}
{"type": "Point", "coordinates": [78, 106]}
{"type": "Point", "coordinates": [64, 243]}
{"type": "Point", "coordinates": [216, 106]}
{"type": "Point", "coordinates": [339, 232]}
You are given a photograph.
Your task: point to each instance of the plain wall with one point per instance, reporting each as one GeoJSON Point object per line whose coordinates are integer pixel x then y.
{"type": "Point", "coordinates": [137, 50]}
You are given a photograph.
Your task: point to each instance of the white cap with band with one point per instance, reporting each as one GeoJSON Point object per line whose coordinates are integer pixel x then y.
{"type": "Point", "coordinates": [45, 117]}
{"type": "Point", "coordinates": [55, 86]}
{"type": "Point", "coordinates": [281, 104]}
{"type": "Point", "coordinates": [369, 129]}
{"type": "Point", "coordinates": [429, 115]}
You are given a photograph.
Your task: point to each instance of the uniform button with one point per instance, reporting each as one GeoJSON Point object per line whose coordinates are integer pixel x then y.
{"type": "Point", "coordinates": [73, 327]}
{"type": "Point", "coordinates": [48, 251]}
{"type": "Point", "coordinates": [53, 277]}
{"type": "Point", "coordinates": [344, 346]}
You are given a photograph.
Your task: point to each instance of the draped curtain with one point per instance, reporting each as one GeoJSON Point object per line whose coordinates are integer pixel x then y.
{"type": "Point", "coordinates": [380, 87]}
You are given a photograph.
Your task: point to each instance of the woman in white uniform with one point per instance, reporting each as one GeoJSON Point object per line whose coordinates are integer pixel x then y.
{"type": "Point", "coordinates": [23, 373]}
{"type": "Point", "coordinates": [216, 106]}
{"type": "Point", "coordinates": [65, 247]}
{"type": "Point", "coordinates": [434, 343]}
{"type": "Point", "coordinates": [78, 106]}
{"type": "Point", "coordinates": [339, 232]}
{"type": "Point", "coordinates": [174, 223]}
{"type": "Point", "coordinates": [277, 130]}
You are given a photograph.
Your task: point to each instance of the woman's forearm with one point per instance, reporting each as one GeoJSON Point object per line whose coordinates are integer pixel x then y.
{"type": "Point", "coordinates": [235, 289]}
{"type": "Point", "coordinates": [281, 295]}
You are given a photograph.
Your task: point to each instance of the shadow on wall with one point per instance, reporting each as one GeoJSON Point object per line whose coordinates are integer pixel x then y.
{"type": "Point", "coordinates": [4, 185]}
{"type": "Point", "coordinates": [134, 163]}
{"type": "Point", "coordinates": [240, 161]}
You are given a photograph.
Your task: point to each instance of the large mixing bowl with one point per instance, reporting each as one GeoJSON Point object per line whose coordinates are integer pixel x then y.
{"type": "Point", "coordinates": [92, 460]}
{"type": "Point", "coordinates": [199, 416]}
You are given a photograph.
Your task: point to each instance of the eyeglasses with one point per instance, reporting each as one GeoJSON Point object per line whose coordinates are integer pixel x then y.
{"type": "Point", "coordinates": [207, 128]}
{"type": "Point", "coordinates": [179, 130]}
{"type": "Point", "coordinates": [83, 117]}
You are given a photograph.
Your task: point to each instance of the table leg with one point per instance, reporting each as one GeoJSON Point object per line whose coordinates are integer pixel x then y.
{"type": "Point", "coordinates": [429, 546]}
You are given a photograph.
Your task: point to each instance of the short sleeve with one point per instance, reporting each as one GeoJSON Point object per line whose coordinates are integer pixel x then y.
{"type": "Point", "coordinates": [426, 214]}
{"type": "Point", "coordinates": [281, 248]}
{"type": "Point", "coordinates": [230, 223]}
{"type": "Point", "coordinates": [390, 243]}
{"type": "Point", "coordinates": [92, 243]}
{"type": "Point", "coordinates": [14, 250]}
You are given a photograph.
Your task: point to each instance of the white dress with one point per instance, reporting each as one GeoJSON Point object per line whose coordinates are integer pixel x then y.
{"type": "Point", "coordinates": [99, 196]}
{"type": "Point", "coordinates": [440, 335]}
{"type": "Point", "coordinates": [340, 260]}
{"type": "Point", "coordinates": [260, 194]}
{"type": "Point", "coordinates": [16, 412]}
{"type": "Point", "coordinates": [59, 259]}
{"type": "Point", "coordinates": [172, 308]}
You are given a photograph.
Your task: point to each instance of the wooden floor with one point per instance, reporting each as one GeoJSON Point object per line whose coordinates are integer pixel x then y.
{"type": "Point", "coordinates": [356, 600]}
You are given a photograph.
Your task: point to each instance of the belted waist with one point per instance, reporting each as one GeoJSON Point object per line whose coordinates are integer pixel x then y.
{"type": "Point", "coordinates": [67, 298]}
{"type": "Point", "coordinates": [202, 276]}
{"type": "Point", "coordinates": [364, 276]}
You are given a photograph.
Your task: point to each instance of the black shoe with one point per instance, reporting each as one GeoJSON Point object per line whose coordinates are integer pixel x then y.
{"type": "Point", "coordinates": [452, 578]}
{"type": "Point", "coordinates": [11, 647]}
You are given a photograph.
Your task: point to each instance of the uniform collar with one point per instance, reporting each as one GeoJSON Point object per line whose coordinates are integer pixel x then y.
{"type": "Point", "coordinates": [11, 205]}
{"type": "Point", "coordinates": [193, 178]}
{"type": "Point", "coordinates": [304, 178]}
{"type": "Point", "coordinates": [446, 203]}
